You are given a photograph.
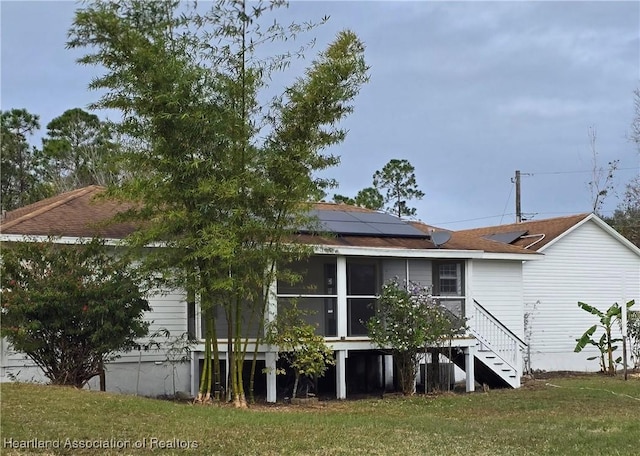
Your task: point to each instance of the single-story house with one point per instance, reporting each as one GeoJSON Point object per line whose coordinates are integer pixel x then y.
{"type": "Point", "coordinates": [584, 260]}
{"type": "Point", "coordinates": [474, 274]}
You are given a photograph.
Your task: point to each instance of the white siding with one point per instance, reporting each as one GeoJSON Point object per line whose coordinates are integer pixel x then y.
{"type": "Point", "coordinates": [497, 286]}
{"type": "Point", "coordinates": [586, 265]}
{"type": "Point", "coordinates": [169, 311]}
{"type": "Point", "coordinates": [146, 379]}
{"type": "Point", "coordinates": [17, 366]}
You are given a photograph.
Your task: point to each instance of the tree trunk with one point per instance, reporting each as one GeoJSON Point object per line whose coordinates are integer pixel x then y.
{"type": "Point", "coordinates": [230, 358]}
{"type": "Point", "coordinates": [205, 380]}
{"type": "Point", "coordinates": [612, 366]}
{"type": "Point", "coordinates": [215, 372]}
{"type": "Point", "coordinates": [103, 381]}
{"type": "Point", "coordinates": [239, 399]}
{"type": "Point", "coordinates": [405, 363]}
{"type": "Point", "coordinates": [433, 374]}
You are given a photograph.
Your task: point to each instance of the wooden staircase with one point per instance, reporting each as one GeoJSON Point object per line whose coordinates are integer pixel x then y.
{"type": "Point", "coordinates": [498, 353]}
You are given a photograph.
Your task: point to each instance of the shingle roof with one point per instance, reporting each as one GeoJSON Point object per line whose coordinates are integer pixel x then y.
{"type": "Point", "coordinates": [80, 213]}
{"type": "Point", "coordinates": [538, 232]}
{"type": "Point", "coordinates": [465, 241]}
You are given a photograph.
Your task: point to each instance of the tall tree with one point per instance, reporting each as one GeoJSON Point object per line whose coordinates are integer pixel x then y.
{"type": "Point", "coordinates": [626, 217]}
{"type": "Point", "coordinates": [601, 183]}
{"type": "Point", "coordinates": [367, 197]}
{"type": "Point", "coordinates": [21, 174]}
{"type": "Point", "coordinates": [79, 151]}
{"type": "Point", "coordinates": [635, 124]}
{"type": "Point", "coordinates": [396, 181]}
{"type": "Point", "coordinates": [222, 177]}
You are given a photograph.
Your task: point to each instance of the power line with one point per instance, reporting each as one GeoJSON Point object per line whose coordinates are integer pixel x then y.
{"type": "Point", "coordinates": [576, 172]}
{"type": "Point", "coordinates": [472, 220]}
{"type": "Point", "coordinates": [506, 203]}
{"type": "Point", "coordinates": [512, 213]}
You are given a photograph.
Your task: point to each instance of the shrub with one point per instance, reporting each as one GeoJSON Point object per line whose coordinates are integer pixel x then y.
{"type": "Point", "coordinates": [407, 320]}
{"type": "Point", "coordinates": [70, 308]}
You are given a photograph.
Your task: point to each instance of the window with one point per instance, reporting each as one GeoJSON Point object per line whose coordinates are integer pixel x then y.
{"type": "Point", "coordinates": [448, 285]}
{"type": "Point", "coordinates": [449, 281]}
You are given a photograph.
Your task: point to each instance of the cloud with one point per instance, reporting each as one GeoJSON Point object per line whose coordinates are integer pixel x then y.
{"type": "Point", "coordinates": [547, 107]}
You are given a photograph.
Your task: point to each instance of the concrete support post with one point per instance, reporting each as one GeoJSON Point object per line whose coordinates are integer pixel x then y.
{"type": "Point", "coordinates": [469, 358]}
{"type": "Point", "coordinates": [380, 370]}
{"type": "Point", "coordinates": [195, 373]}
{"type": "Point", "coordinates": [270, 364]}
{"type": "Point", "coordinates": [388, 372]}
{"type": "Point", "coordinates": [341, 374]}
{"type": "Point", "coordinates": [270, 357]}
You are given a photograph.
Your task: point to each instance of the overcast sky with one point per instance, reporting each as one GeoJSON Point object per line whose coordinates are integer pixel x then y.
{"type": "Point", "coordinates": [468, 92]}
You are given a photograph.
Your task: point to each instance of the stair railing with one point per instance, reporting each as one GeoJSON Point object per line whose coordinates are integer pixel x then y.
{"type": "Point", "coordinates": [495, 336]}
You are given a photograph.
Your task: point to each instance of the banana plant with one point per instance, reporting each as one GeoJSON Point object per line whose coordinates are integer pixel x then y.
{"type": "Point", "coordinates": [605, 343]}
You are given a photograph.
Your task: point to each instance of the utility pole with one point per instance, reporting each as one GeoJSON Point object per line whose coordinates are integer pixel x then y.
{"type": "Point", "coordinates": [518, 208]}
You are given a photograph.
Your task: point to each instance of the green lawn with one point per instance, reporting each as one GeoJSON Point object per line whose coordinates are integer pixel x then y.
{"type": "Point", "coordinates": [584, 415]}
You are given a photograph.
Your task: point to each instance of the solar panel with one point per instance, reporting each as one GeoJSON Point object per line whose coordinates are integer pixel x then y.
{"type": "Point", "coordinates": [506, 238]}
{"type": "Point", "coordinates": [377, 217]}
{"type": "Point", "coordinates": [365, 224]}
{"type": "Point", "coordinates": [338, 216]}
{"type": "Point", "coordinates": [350, 228]}
{"type": "Point", "coordinates": [398, 229]}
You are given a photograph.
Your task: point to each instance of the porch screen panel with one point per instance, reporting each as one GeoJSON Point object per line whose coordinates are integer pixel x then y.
{"type": "Point", "coordinates": [455, 306]}
{"type": "Point", "coordinates": [360, 311]}
{"type": "Point", "coordinates": [363, 286]}
{"type": "Point", "coordinates": [319, 312]}
{"type": "Point", "coordinates": [315, 293]}
{"type": "Point", "coordinates": [420, 272]}
{"type": "Point", "coordinates": [394, 268]}
{"type": "Point", "coordinates": [249, 326]}
{"type": "Point", "coordinates": [317, 277]}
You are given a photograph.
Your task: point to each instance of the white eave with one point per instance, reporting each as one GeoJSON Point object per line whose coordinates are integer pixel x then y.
{"type": "Point", "coordinates": [58, 239]}
{"type": "Point", "coordinates": [387, 252]}
{"type": "Point", "coordinates": [422, 253]}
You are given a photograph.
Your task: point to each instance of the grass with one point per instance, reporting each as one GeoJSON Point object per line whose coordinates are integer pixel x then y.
{"type": "Point", "coordinates": [581, 415]}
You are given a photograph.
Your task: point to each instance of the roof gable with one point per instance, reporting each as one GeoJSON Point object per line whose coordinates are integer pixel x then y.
{"type": "Point", "coordinates": [608, 229]}
{"type": "Point", "coordinates": [78, 213]}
